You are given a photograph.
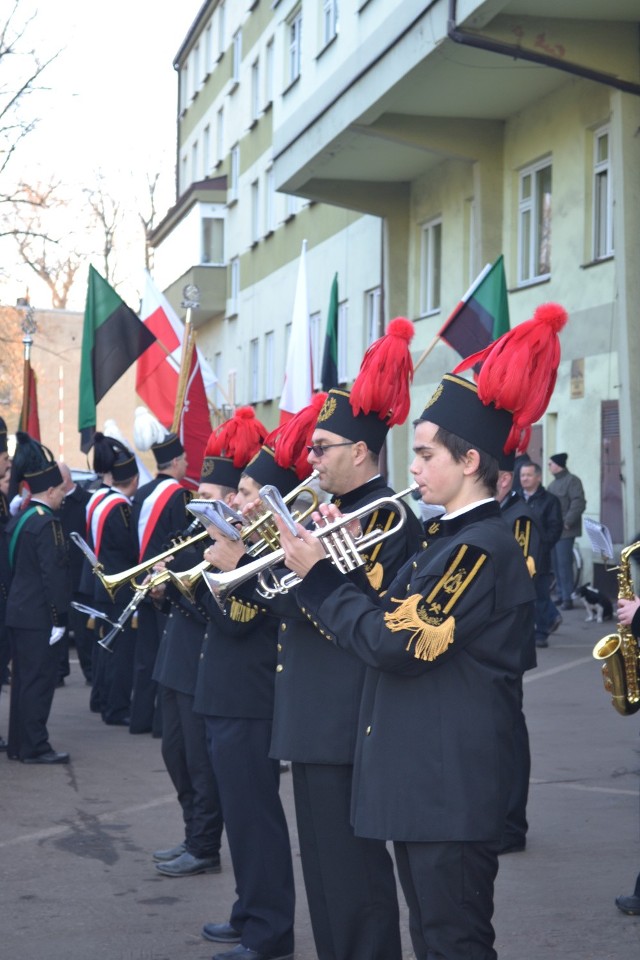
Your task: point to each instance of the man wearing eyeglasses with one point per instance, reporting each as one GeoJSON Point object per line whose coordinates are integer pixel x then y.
{"type": "Point", "coordinates": [350, 882]}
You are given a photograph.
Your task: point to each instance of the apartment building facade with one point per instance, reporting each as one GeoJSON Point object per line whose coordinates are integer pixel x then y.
{"type": "Point", "coordinates": [444, 133]}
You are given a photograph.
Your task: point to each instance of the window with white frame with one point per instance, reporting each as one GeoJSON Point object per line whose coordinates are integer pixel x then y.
{"type": "Point", "coordinates": [222, 27]}
{"type": "Point", "coordinates": [184, 86]}
{"type": "Point", "coordinates": [234, 171]}
{"type": "Point", "coordinates": [430, 267]}
{"type": "Point", "coordinates": [234, 284]}
{"type": "Point", "coordinates": [206, 151]}
{"type": "Point", "coordinates": [269, 202]}
{"type": "Point", "coordinates": [373, 304]}
{"type": "Point", "coordinates": [329, 20]}
{"type": "Point", "coordinates": [534, 222]}
{"type": "Point", "coordinates": [212, 241]}
{"type": "Point", "coordinates": [470, 239]}
{"type": "Point", "coordinates": [255, 90]}
{"type": "Point", "coordinates": [195, 162]}
{"type": "Point", "coordinates": [254, 371]}
{"type": "Point", "coordinates": [208, 48]}
{"type": "Point", "coordinates": [602, 195]}
{"type": "Point", "coordinates": [220, 135]}
{"type": "Point", "coordinates": [269, 72]}
{"type": "Point", "coordinates": [197, 68]}
{"type": "Point", "coordinates": [219, 397]}
{"type": "Point", "coordinates": [255, 211]}
{"type": "Point", "coordinates": [237, 56]}
{"type": "Point", "coordinates": [184, 174]}
{"type": "Point", "coordinates": [292, 205]}
{"type": "Point", "coordinates": [294, 41]}
{"type": "Point", "coordinates": [317, 345]}
{"type": "Point", "coordinates": [269, 361]}
{"type": "Point", "coordinates": [343, 316]}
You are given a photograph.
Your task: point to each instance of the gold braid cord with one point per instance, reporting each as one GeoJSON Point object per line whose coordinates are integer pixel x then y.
{"type": "Point", "coordinates": [429, 619]}
{"type": "Point", "coordinates": [241, 612]}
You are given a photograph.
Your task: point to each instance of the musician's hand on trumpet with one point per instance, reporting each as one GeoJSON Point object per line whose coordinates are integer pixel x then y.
{"type": "Point", "coordinates": [301, 552]}
{"type": "Point", "coordinates": [157, 591]}
{"type": "Point", "coordinates": [224, 553]}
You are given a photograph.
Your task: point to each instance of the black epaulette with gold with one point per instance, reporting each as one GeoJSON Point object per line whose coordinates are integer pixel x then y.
{"type": "Point", "coordinates": [430, 619]}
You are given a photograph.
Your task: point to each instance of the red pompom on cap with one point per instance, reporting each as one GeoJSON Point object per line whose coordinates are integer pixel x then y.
{"type": "Point", "coordinates": [519, 370]}
{"type": "Point", "coordinates": [386, 372]}
{"type": "Point", "coordinates": [294, 435]}
{"type": "Point", "coordinates": [238, 438]}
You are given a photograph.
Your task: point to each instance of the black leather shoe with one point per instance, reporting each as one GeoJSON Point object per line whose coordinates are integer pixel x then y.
{"type": "Point", "coordinates": [220, 933]}
{"type": "Point", "coordinates": [169, 854]}
{"type": "Point", "coordinates": [244, 953]}
{"type": "Point", "coordinates": [629, 905]}
{"type": "Point", "coordinates": [567, 605]}
{"type": "Point", "coordinates": [542, 642]}
{"type": "Point", "coordinates": [49, 757]}
{"type": "Point", "coordinates": [186, 865]}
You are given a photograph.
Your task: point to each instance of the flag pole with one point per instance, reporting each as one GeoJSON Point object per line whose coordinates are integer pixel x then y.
{"type": "Point", "coordinates": [29, 326]}
{"type": "Point", "coordinates": [191, 301]}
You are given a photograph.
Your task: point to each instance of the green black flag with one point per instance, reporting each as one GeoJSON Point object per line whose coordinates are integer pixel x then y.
{"type": "Point", "coordinates": [329, 375]}
{"type": "Point", "coordinates": [113, 338]}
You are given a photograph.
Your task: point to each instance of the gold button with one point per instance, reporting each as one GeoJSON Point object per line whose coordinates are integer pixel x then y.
{"type": "Point", "coordinates": [368, 730]}
{"type": "Point", "coordinates": [279, 648]}
{"type": "Point", "coordinates": [283, 626]}
{"type": "Point", "coordinates": [202, 656]}
{"type": "Point", "coordinates": [279, 668]}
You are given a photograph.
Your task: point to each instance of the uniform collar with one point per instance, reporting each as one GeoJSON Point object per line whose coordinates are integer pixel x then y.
{"type": "Point", "coordinates": [346, 500]}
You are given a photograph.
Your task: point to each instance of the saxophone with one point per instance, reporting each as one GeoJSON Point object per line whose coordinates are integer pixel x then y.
{"type": "Point", "coordinates": [620, 652]}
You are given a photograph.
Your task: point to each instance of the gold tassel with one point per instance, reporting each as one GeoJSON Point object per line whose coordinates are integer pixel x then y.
{"type": "Point", "coordinates": [431, 640]}
{"type": "Point", "coordinates": [375, 575]}
{"type": "Point", "coordinates": [241, 613]}
{"type": "Point", "coordinates": [531, 566]}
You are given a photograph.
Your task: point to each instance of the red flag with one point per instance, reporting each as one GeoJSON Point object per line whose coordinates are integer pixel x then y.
{"type": "Point", "coordinates": [32, 426]}
{"type": "Point", "coordinates": [158, 372]}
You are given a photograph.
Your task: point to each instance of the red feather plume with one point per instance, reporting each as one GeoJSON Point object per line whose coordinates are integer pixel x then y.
{"type": "Point", "coordinates": [519, 370]}
{"type": "Point", "coordinates": [386, 372]}
{"type": "Point", "coordinates": [238, 438]}
{"type": "Point", "coordinates": [294, 436]}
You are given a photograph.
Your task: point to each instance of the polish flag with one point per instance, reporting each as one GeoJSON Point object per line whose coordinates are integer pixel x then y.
{"type": "Point", "coordinates": [297, 389]}
{"type": "Point", "coordinates": [158, 372]}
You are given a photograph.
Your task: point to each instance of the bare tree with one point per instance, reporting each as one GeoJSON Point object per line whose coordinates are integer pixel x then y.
{"type": "Point", "coordinates": [24, 69]}
{"type": "Point", "coordinates": [148, 222]}
{"type": "Point", "coordinates": [39, 245]}
{"type": "Point", "coordinates": [107, 216]}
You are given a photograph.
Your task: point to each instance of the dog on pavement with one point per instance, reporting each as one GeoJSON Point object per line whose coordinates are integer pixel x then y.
{"type": "Point", "coordinates": [597, 605]}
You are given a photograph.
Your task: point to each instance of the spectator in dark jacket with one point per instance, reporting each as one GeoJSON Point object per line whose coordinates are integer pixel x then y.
{"type": "Point", "coordinates": [568, 489]}
{"type": "Point", "coordinates": [548, 513]}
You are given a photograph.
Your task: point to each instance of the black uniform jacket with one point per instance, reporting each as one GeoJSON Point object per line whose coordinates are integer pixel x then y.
{"type": "Point", "coordinates": [524, 525]}
{"type": "Point", "coordinates": [318, 685]}
{"type": "Point", "coordinates": [73, 517]}
{"type": "Point", "coordinates": [5, 572]}
{"type": "Point", "coordinates": [434, 760]}
{"type": "Point", "coordinates": [546, 508]}
{"type": "Point", "coordinates": [40, 591]}
{"type": "Point", "coordinates": [238, 661]}
{"type": "Point", "coordinates": [171, 521]}
{"type": "Point", "coordinates": [178, 657]}
{"type": "Point", "coordinates": [116, 552]}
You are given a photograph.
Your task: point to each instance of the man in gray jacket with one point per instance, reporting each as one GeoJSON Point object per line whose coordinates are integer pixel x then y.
{"type": "Point", "coordinates": [568, 489]}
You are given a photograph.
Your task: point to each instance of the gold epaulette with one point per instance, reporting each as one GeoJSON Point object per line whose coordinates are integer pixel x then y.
{"type": "Point", "coordinates": [430, 619]}
{"type": "Point", "coordinates": [522, 533]}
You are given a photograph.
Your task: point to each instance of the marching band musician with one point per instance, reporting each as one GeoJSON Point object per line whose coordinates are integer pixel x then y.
{"type": "Point", "coordinates": [434, 758]}
{"type": "Point", "coordinates": [629, 616]}
{"type": "Point", "coordinates": [184, 738]}
{"type": "Point", "coordinates": [235, 693]}
{"type": "Point", "coordinates": [158, 513]}
{"type": "Point", "coordinates": [349, 880]}
{"type": "Point", "coordinates": [38, 602]}
{"type": "Point", "coordinates": [113, 543]}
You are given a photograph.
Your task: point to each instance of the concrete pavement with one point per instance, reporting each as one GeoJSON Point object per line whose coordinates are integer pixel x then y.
{"type": "Point", "coordinates": [78, 882]}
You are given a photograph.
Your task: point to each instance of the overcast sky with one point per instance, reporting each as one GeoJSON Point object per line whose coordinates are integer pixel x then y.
{"type": "Point", "coordinates": [110, 97]}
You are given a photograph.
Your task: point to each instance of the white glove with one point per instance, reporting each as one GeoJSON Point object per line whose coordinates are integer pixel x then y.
{"type": "Point", "coordinates": [16, 504]}
{"type": "Point", "coordinates": [57, 633]}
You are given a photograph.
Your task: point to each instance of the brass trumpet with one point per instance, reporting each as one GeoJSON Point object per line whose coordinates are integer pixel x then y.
{"type": "Point", "coordinates": [342, 548]}
{"type": "Point", "coordinates": [264, 525]}
{"type": "Point", "coordinates": [113, 581]}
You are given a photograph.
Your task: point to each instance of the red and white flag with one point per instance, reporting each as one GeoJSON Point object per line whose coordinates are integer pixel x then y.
{"type": "Point", "coordinates": [158, 373]}
{"type": "Point", "coordinates": [298, 376]}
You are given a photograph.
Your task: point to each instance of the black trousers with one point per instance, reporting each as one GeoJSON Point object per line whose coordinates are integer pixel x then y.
{"type": "Point", "coordinates": [449, 891]}
{"type": "Point", "coordinates": [350, 883]}
{"type": "Point", "coordinates": [145, 712]}
{"type": "Point", "coordinates": [186, 757]}
{"type": "Point", "coordinates": [257, 832]}
{"type": "Point", "coordinates": [82, 637]}
{"type": "Point", "coordinates": [34, 676]}
{"type": "Point", "coordinates": [116, 675]}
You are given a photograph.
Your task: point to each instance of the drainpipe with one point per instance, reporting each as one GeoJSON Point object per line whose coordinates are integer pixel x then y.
{"type": "Point", "coordinates": [520, 53]}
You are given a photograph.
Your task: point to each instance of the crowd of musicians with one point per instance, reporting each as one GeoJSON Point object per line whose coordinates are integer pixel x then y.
{"type": "Point", "coordinates": [393, 687]}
